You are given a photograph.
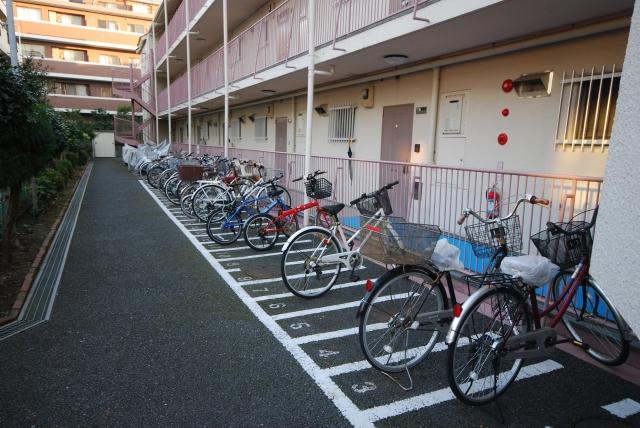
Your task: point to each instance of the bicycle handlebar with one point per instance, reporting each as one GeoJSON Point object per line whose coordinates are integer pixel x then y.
{"type": "Point", "coordinates": [533, 200]}
{"type": "Point", "coordinates": [310, 176]}
{"type": "Point", "coordinates": [377, 192]}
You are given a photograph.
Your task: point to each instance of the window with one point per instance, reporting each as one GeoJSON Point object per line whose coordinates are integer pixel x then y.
{"type": "Point", "coordinates": [66, 18]}
{"type": "Point", "coordinates": [140, 8]}
{"type": "Point", "coordinates": [32, 51]}
{"type": "Point", "coordinates": [105, 91]}
{"type": "Point", "coordinates": [63, 88]}
{"type": "Point", "coordinates": [135, 28]}
{"type": "Point", "coordinates": [29, 13]}
{"type": "Point", "coordinates": [69, 54]}
{"type": "Point", "coordinates": [587, 107]}
{"type": "Point", "coordinates": [109, 59]}
{"type": "Point", "coordinates": [342, 120]}
{"type": "Point", "coordinates": [261, 128]}
{"type": "Point", "coordinates": [108, 25]}
{"type": "Point", "coordinates": [235, 133]}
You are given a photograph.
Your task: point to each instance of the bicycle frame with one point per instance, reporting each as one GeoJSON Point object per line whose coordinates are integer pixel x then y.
{"type": "Point", "coordinates": [247, 204]}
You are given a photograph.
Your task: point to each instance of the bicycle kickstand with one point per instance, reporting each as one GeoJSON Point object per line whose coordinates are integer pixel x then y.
{"type": "Point", "coordinates": [353, 277]}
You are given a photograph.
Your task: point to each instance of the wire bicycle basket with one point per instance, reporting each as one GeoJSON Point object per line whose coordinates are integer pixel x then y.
{"type": "Point", "coordinates": [563, 250]}
{"type": "Point", "coordinates": [485, 239]}
{"type": "Point", "coordinates": [318, 188]}
{"type": "Point", "coordinates": [497, 279]}
{"type": "Point", "coordinates": [369, 206]}
{"type": "Point", "coordinates": [395, 241]}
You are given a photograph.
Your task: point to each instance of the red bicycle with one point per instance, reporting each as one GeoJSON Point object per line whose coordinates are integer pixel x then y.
{"type": "Point", "coordinates": [263, 230]}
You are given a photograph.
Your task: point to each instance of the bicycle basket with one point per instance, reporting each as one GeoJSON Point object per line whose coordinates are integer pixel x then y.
{"type": "Point", "coordinates": [394, 241]}
{"type": "Point", "coordinates": [496, 279]}
{"type": "Point", "coordinates": [318, 188]}
{"type": "Point", "coordinates": [369, 206]}
{"type": "Point", "coordinates": [485, 239]}
{"type": "Point", "coordinates": [565, 250]}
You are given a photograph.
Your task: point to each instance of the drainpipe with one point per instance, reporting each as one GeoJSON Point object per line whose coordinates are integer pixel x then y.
{"type": "Point", "coordinates": [11, 29]}
{"type": "Point", "coordinates": [225, 54]}
{"type": "Point", "coordinates": [311, 12]}
{"type": "Point", "coordinates": [435, 95]}
{"type": "Point", "coordinates": [166, 42]}
{"type": "Point", "coordinates": [189, 124]}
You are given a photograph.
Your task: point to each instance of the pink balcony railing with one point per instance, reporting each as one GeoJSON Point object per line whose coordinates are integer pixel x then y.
{"type": "Point", "coordinates": [194, 7]}
{"type": "Point", "coordinates": [179, 90]}
{"type": "Point", "coordinates": [282, 34]}
{"type": "Point", "coordinates": [161, 47]}
{"type": "Point", "coordinates": [434, 194]}
{"type": "Point", "coordinates": [177, 23]}
{"type": "Point", "coordinates": [162, 101]}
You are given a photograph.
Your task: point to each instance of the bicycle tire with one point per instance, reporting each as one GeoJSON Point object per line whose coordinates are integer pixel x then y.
{"type": "Point", "coordinates": [261, 232]}
{"type": "Point", "coordinates": [185, 200]}
{"type": "Point", "coordinates": [153, 175]}
{"type": "Point", "coordinates": [218, 232]}
{"type": "Point", "coordinates": [591, 318]}
{"type": "Point", "coordinates": [390, 328]}
{"type": "Point", "coordinates": [207, 198]}
{"type": "Point", "coordinates": [468, 347]}
{"type": "Point", "coordinates": [263, 193]}
{"type": "Point", "coordinates": [171, 190]}
{"type": "Point", "coordinates": [303, 251]}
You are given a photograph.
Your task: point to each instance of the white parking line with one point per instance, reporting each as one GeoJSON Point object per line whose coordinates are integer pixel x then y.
{"type": "Point", "coordinates": [259, 256]}
{"type": "Point", "coordinates": [445, 394]}
{"type": "Point", "coordinates": [264, 281]}
{"type": "Point", "coordinates": [624, 408]}
{"type": "Point", "coordinates": [285, 295]}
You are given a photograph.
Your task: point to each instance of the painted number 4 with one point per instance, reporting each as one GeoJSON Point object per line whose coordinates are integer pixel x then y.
{"type": "Point", "coordinates": [325, 354]}
{"type": "Point", "coordinates": [363, 387]}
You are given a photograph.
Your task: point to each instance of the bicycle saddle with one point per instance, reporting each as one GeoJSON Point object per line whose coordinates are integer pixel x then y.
{"type": "Point", "coordinates": [333, 209]}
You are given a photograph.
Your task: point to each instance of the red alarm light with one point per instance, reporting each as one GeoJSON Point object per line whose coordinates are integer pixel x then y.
{"type": "Point", "coordinates": [507, 85]}
{"type": "Point", "coordinates": [505, 112]}
{"type": "Point", "coordinates": [502, 139]}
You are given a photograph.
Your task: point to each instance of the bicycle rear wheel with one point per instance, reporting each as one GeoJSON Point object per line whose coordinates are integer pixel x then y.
{"type": "Point", "coordinates": [592, 319]}
{"type": "Point", "coordinates": [302, 269]}
{"type": "Point", "coordinates": [153, 175]}
{"type": "Point", "coordinates": [171, 190]}
{"type": "Point", "coordinates": [479, 369]}
{"type": "Point", "coordinates": [224, 226]}
{"type": "Point", "coordinates": [261, 232]}
{"type": "Point", "coordinates": [207, 198]}
{"type": "Point", "coordinates": [394, 332]}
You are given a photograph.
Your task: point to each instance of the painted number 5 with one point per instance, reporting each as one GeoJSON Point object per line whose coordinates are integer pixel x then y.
{"type": "Point", "coordinates": [299, 325]}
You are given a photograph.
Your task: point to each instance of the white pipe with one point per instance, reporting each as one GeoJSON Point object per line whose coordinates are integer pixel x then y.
{"type": "Point", "coordinates": [166, 42]}
{"type": "Point", "coordinates": [435, 97]}
{"type": "Point", "coordinates": [225, 54]}
{"type": "Point", "coordinates": [311, 18]}
{"type": "Point", "coordinates": [11, 29]}
{"type": "Point", "coordinates": [189, 123]}
{"type": "Point", "coordinates": [155, 81]}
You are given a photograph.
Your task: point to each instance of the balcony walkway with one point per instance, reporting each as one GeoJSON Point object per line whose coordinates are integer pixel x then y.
{"type": "Point", "coordinates": [148, 330]}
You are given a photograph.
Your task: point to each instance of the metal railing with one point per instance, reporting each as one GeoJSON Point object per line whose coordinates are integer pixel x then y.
{"type": "Point", "coordinates": [161, 47]}
{"type": "Point", "coordinates": [435, 194]}
{"type": "Point", "coordinates": [282, 35]}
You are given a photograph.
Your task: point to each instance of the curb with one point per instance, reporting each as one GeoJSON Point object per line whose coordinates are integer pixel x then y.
{"type": "Point", "coordinates": [23, 292]}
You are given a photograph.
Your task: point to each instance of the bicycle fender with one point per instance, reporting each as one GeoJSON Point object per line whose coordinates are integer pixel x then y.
{"type": "Point", "coordinates": [455, 324]}
{"type": "Point", "coordinates": [298, 233]}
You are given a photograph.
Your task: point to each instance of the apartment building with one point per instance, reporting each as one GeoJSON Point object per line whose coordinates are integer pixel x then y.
{"type": "Point", "coordinates": [84, 45]}
{"type": "Point", "coordinates": [523, 85]}
{"type": "Point", "coordinates": [4, 38]}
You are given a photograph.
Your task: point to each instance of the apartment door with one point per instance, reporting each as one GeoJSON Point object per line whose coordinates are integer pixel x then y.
{"type": "Point", "coordinates": [281, 144]}
{"type": "Point", "coordinates": [397, 134]}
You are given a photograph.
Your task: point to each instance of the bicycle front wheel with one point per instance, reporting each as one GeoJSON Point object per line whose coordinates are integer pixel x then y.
{"type": "Point", "coordinates": [171, 190]}
{"type": "Point", "coordinates": [395, 331]}
{"type": "Point", "coordinates": [261, 232]}
{"type": "Point", "coordinates": [479, 368]}
{"type": "Point", "coordinates": [591, 318]}
{"type": "Point", "coordinates": [303, 270]}
{"type": "Point", "coordinates": [207, 198]}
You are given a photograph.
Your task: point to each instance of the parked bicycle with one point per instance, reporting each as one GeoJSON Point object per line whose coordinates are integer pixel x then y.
{"type": "Point", "coordinates": [501, 325]}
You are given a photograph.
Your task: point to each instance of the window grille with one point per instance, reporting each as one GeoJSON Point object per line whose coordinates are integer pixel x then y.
{"type": "Point", "coordinates": [587, 108]}
{"type": "Point", "coordinates": [261, 128]}
{"type": "Point", "coordinates": [235, 133]}
{"type": "Point", "coordinates": [342, 121]}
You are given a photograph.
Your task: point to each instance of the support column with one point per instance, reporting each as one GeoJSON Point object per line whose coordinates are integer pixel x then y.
{"type": "Point", "coordinates": [186, 19]}
{"type": "Point", "coordinates": [311, 17]}
{"type": "Point", "coordinates": [225, 54]}
{"type": "Point", "coordinates": [166, 41]}
{"type": "Point", "coordinates": [155, 82]}
{"type": "Point", "coordinates": [11, 29]}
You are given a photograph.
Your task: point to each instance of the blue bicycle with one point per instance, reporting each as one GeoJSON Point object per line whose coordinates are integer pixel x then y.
{"type": "Point", "coordinates": [225, 224]}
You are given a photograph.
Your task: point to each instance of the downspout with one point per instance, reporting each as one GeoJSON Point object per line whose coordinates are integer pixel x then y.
{"type": "Point", "coordinates": [435, 96]}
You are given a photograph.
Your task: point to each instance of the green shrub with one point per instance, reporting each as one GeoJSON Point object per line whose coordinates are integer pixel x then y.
{"type": "Point", "coordinates": [50, 182]}
{"type": "Point", "coordinates": [83, 157]}
{"type": "Point", "coordinates": [72, 157]}
{"type": "Point", "coordinates": [65, 168]}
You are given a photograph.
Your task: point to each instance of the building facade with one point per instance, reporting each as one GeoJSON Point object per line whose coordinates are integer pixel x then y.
{"type": "Point", "coordinates": [84, 45]}
{"type": "Point", "coordinates": [4, 35]}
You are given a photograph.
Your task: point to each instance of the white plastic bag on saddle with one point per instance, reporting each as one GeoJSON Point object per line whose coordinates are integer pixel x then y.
{"type": "Point", "coordinates": [534, 270]}
{"type": "Point", "coordinates": [446, 256]}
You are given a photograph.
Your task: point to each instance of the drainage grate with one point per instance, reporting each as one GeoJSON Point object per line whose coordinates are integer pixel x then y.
{"type": "Point", "coordinates": [39, 303]}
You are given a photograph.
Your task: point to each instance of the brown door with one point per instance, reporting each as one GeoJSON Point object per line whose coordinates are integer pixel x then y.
{"type": "Point", "coordinates": [281, 144]}
{"type": "Point", "coordinates": [397, 134]}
